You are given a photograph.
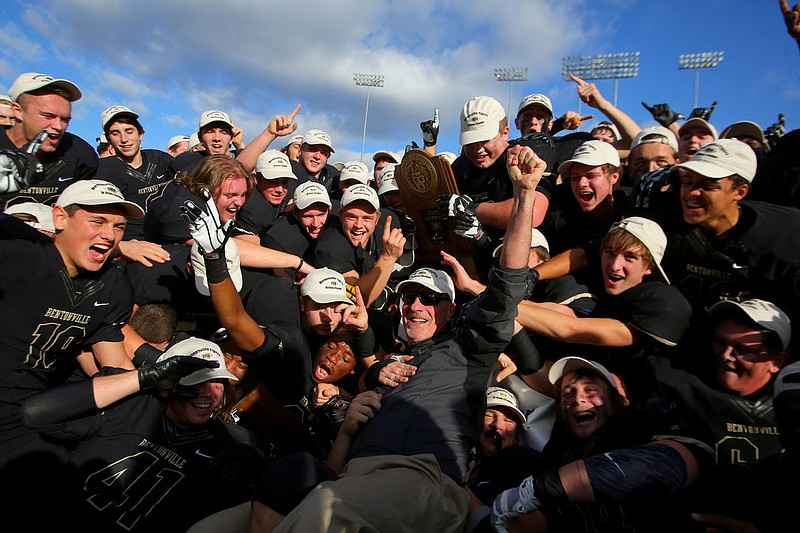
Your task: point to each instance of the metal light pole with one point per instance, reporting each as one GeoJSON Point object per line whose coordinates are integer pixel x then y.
{"type": "Point", "coordinates": [601, 67]}
{"type": "Point", "coordinates": [696, 62]}
{"type": "Point", "coordinates": [511, 74]}
{"type": "Point", "coordinates": [369, 81]}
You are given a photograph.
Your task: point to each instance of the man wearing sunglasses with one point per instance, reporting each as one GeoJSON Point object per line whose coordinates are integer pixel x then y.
{"type": "Point", "coordinates": [406, 442]}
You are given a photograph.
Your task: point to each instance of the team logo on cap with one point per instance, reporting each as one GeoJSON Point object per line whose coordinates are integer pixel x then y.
{"type": "Point", "coordinates": [108, 189]}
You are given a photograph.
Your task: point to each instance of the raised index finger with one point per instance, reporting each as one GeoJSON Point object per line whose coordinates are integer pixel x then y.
{"type": "Point", "coordinates": [387, 228]}
{"type": "Point", "coordinates": [359, 298]}
{"type": "Point", "coordinates": [576, 79]}
{"type": "Point", "coordinates": [295, 112]}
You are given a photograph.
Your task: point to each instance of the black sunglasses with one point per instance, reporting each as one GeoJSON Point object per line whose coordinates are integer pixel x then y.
{"type": "Point", "coordinates": [425, 298]}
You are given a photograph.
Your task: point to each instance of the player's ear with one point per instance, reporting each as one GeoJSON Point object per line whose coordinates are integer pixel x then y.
{"type": "Point", "coordinates": [60, 217]}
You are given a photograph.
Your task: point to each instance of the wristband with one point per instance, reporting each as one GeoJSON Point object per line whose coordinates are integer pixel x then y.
{"type": "Point", "coordinates": [216, 267]}
{"type": "Point", "coordinates": [300, 264]}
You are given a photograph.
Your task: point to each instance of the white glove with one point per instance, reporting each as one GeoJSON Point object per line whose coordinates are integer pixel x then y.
{"type": "Point", "coordinates": [514, 502]}
{"type": "Point", "coordinates": [205, 226]}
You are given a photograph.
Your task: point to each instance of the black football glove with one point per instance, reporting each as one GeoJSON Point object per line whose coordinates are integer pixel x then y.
{"type": "Point", "coordinates": [774, 133]}
{"type": "Point", "coordinates": [430, 129]}
{"type": "Point", "coordinates": [165, 375]}
{"type": "Point", "coordinates": [240, 463]}
{"type": "Point", "coordinates": [407, 225]}
{"type": "Point", "coordinates": [662, 113]}
{"type": "Point", "coordinates": [205, 226]}
{"type": "Point", "coordinates": [703, 112]}
{"type": "Point", "coordinates": [466, 224]}
{"type": "Point", "coordinates": [20, 168]}
{"type": "Point", "coordinates": [411, 146]}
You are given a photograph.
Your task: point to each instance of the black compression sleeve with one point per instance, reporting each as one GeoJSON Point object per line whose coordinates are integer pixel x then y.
{"type": "Point", "coordinates": [524, 353]}
{"type": "Point", "coordinates": [364, 343]}
{"type": "Point", "coordinates": [636, 473]}
{"type": "Point", "coordinates": [58, 404]}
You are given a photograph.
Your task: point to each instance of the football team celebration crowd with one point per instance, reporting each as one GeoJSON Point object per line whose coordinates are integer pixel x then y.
{"type": "Point", "coordinates": [558, 329]}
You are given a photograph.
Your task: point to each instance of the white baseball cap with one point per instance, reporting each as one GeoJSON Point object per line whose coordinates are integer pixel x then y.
{"type": "Point", "coordinates": [32, 81]}
{"type": "Point", "coordinates": [656, 134]}
{"type": "Point", "coordinates": [97, 192]}
{"type": "Point", "coordinates": [745, 128]}
{"type": "Point", "coordinates": [310, 192]}
{"type": "Point", "coordinates": [113, 111]}
{"type": "Point", "coordinates": [433, 279]}
{"type": "Point", "coordinates": [292, 140]}
{"type": "Point", "coordinates": [697, 121]}
{"type": "Point", "coordinates": [386, 180]}
{"type": "Point", "coordinates": [723, 158]}
{"type": "Point", "coordinates": [3, 99]}
{"type": "Point", "coordinates": [274, 164]}
{"type": "Point", "coordinates": [214, 115]}
{"type": "Point", "coordinates": [609, 126]}
{"type": "Point", "coordinates": [480, 119]}
{"type": "Point", "coordinates": [360, 192]}
{"type": "Point", "coordinates": [765, 314]}
{"type": "Point", "coordinates": [42, 212]}
{"type": "Point", "coordinates": [535, 99]}
{"type": "Point", "coordinates": [537, 239]}
{"type": "Point", "coordinates": [447, 156]}
{"type": "Point", "coordinates": [355, 170]}
{"type": "Point", "coordinates": [194, 140]}
{"type": "Point", "coordinates": [325, 286]}
{"type": "Point", "coordinates": [202, 349]}
{"type": "Point", "coordinates": [175, 139]}
{"type": "Point", "coordinates": [102, 139]}
{"type": "Point", "coordinates": [500, 397]}
{"type": "Point", "coordinates": [593, 154]}
{"type": "Point", "coordinates": [385, 154]}
{"type": "Point", "coordinates": [649, 234]}
{"type": "Point", "coordinates": [571, 363]}
{"type": "Point", "coordinates": [231, 260]}
{"type": "Point", "coordinates": [318, 137]}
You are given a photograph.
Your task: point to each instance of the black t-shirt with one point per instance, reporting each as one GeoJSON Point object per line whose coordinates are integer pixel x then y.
{"type": "Point", "coordinates": [48, 316]}
{"type": "Point", "coordinates": [133, 469]}
{"type": "Point", "coordinates": [139, 185]}
{"type": "Point", "coordinates": [328, 178]}
{"type": "Point", "coordinates": [163, 222]}
{"type": "Point", "coordinates": [566, 226]}
{"type": "Point", "coordinates": [258, 215]}
{"type": "Point", "coordinates": [74, 159]}
{"type": "Point", "coordinates": [286, 235]}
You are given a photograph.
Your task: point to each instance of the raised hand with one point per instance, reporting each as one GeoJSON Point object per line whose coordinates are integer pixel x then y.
{"type": "Point", "coordinates": [524, 167]}
{"type": "Point", "coordinates": [166, 374]}
{"type": "Point", "coordinates": [282, 125]}
{"type": "Point", "coordinates": [663, 114]}
{"type": "Point", "coordinates": [394, 241]}
{"type": "Point", "coordinates": [20, 168]}
{"type": "Point", "coordinates": [355, 317]}
{"type": "Point", "coordinates": [430, 129]}
{"type": "Point", "coordinates": [773, 133]}
{"type": "Point", "coordinates": [703, 112]}
{"type": "Point", "coordinates": [205, 226]}
{"type": "Point", "coordinates": [791, 18]}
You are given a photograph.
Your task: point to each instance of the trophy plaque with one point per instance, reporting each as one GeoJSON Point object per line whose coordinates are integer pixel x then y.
{"type": "Point", "coordinates": [421, 179]}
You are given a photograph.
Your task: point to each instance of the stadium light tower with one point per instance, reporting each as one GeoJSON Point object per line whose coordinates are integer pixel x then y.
{"type": "Point", "coordinates": [511, 74]}
{"type": "Point", "coordinates": [696, 62]}
{"type": "Point", "coordinates": [602, 67]}
{"type": "Point", "coordinates": [369, 81]}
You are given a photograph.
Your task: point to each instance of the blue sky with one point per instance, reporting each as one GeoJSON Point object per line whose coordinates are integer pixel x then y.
{"type": "Point", "coordinates": [170, 61]}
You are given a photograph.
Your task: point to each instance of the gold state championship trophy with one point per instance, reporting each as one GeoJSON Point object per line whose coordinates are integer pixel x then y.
{"type": "Point", "coordinates": [421, 179]}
